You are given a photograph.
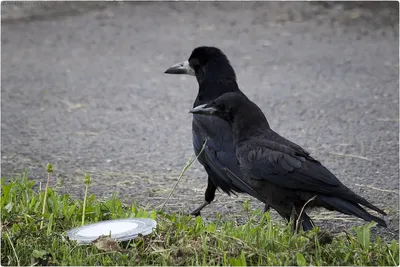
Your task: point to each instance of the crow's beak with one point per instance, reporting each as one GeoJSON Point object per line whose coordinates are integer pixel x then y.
{"type": "Point", "coordinates": [181, 68]}
{"type": "Point", "coordinates": [204, 110]}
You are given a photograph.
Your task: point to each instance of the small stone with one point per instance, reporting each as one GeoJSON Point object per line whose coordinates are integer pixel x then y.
{"type": "Point", "coordinates": [266, 43]}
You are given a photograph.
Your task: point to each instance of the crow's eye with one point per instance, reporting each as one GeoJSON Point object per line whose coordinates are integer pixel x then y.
{"type": "Point", "coordinates": [194, 63]}
{"type": "Point", "coordinates": [221, 107]}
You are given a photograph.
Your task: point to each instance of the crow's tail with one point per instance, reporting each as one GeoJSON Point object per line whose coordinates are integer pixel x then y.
{"type": "Point", "coordinates": [347, 207]}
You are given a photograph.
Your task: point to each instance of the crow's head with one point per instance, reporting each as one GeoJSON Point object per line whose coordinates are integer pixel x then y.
{"type": "Point", "coordinates": [241, 113]}
{"type": "Point", "coordinates": [205, 62]}
{"type": "Point", "coordinates": [226, 106]}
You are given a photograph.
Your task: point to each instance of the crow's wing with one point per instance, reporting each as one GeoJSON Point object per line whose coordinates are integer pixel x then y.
{"type": "Point", "coordinates": [272, 158]}
{"type": "Point", "coordinates": [219, 155]}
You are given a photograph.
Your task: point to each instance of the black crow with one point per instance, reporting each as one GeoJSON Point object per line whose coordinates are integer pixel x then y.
{"type": "Point", "coordinates": [215, 76]}
{"type": "Point", "coordinates": [283, 173]}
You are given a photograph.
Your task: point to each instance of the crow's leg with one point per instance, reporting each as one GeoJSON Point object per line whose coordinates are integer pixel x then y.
{"type": "Point", "coordinates": [209, 197]}
{"type": "Point", "coordinates": [267, 207]}
{"type": "Point", "coordinates": [288, 212]}
{"type": "Point", "coordinates": [307, 223]}
{"type": "Point", "coordinates": [301, 220]}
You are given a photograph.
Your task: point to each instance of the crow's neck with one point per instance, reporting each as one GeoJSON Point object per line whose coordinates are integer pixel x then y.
{"type": "Point", "coordinates": [218, 81]}
{"type": "Point", "coordinates": [209, 91]}
{"type": "Point", "coordinates": [247, 124]}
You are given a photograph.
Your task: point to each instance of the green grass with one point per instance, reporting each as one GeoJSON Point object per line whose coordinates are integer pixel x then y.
{"type": "Point", "coordinates": [178, 239]}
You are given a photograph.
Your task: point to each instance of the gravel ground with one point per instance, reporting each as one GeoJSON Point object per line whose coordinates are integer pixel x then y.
{"type": "Point", "coordinates": [83, 87]}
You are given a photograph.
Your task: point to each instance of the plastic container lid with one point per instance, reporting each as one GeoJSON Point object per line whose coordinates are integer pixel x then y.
{"type": "Point", "coordinates": [121, 230]}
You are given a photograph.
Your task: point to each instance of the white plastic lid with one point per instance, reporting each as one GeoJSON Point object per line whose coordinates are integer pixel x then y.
{"type": "Point", "coordinates": [121, 230]}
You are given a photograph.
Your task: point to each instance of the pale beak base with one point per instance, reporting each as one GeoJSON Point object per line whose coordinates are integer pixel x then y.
{"type": "Point", "coordinates": [203, 109]}
{"type": "Point", "coordinates": [181, 68]}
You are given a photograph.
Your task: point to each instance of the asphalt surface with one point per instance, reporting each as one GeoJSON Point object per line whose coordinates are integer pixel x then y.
{"type": "Point", "coordinates": [83, 87]}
